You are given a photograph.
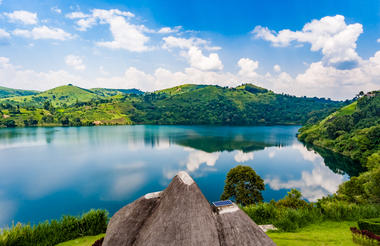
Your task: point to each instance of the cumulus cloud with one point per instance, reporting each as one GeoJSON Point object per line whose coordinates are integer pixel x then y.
{"type": "Point", "coordinates": [43, 32]}
{"type": "Point", "coordinates": [248, 67]}
{"type": "Point", "coordinates": [75, 61]}
{"type": "Point", "coordinates": [193, 52]}
{"type": "Point", "coordinates": [16, 77]}
{"type": "Point", "coordinates": [330, 35]}
{"type": "Point", "coordinates": [126, 35]}
{"type": "Point", "coordinates": [22, 16]}
{"type": "Point", "coordinates": [378, 40]}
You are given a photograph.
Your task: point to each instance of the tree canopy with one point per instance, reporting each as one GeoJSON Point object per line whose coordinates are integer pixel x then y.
{"type": "Point", "coordinates": [243, 185]}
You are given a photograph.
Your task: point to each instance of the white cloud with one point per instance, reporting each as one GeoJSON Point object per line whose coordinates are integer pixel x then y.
{"type": "Point", "coordinates": [378, 40]}
{"type": "Point", "coordinates": [4, 34]}
{"type": "Point", "coordinates": [16, 77]}
{"type": "Point", "coordinates": [248, 67]}
{"type": "Point", "coordinates": [126, 35]}
{"type": "Point", "coordinates": [166, 30]}
{"type": "Point", "coordinates": [331, 35]}
{"type": "Point", "coordinates": [25, 17]}
{"type": "Point", "coordinates": [277, 68]}
{"type": "Point", "coordinates": [240, 156]}
{"type": "Point", "coordinates": [56, 10]}
{"type": "Point", "coordinates": [194, 54]}
{"type": "Point", "coordinates": [43, 32]}
{"type": "Point", "coordinates": [75, 61]}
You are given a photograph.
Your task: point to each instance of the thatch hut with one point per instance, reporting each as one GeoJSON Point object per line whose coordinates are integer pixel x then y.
{"type": "Point", "coordinates": [181, 215]}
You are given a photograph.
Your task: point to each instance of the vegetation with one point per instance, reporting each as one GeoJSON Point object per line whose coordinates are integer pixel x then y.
{"type": "Point", "coordinates": [354, 131]}
{"type": "Point", "coordinates": [187, 104]}
{"type": "Point", "coordinates": [325, 233]}
{"type": "Point", "coordinates": [372, 225]}
{"type": "Point", "coordinates": [8, 92]}
{"type": "Point", "coordinates": [82, 241]}
{"type": "Point", "coordinates": [243, 185]}
{"type": "Point", "coordinates": [364, 237]}
{"type": "Point", "coordinates": [50, 233]}
{"type": "Point", "coordinates": [290, 218]}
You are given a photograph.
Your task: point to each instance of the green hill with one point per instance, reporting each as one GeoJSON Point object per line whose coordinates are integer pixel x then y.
{"type": "Point", "coordinates": [59, 97]}
{"type": "Point", "coordinates": [353, 130]}
{"type": "Point", "coordinates": [186, 104]}
{"type": "Point", "coordinates": [243, 105]}
{"type": "Point", "coordinates": [9, 92]}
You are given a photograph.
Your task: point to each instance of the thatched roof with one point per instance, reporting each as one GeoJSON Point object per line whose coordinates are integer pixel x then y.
{"type": "Point", "coordinates": [181, 215]}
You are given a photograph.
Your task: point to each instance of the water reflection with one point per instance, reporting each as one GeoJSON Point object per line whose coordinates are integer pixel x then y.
{"type": "Point", "coordinates": [47, 172]}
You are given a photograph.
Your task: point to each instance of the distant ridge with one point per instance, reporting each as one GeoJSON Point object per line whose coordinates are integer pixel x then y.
{"type": "Point", "coordinates": [9, 92]}
{"type": "Point", "coordinates": [187, 104]}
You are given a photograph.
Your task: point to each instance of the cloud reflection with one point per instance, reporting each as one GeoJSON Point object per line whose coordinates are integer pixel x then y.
{"type": "Point", "coordinates": [321, 181]}
{"type": "Point", "coordinates": [198, 157]}
{"type": "Point", "coordinates": [240, 156]}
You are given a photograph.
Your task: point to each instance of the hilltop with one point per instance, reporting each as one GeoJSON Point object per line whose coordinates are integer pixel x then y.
{"type": "Point", "coordinates": [186, 104]}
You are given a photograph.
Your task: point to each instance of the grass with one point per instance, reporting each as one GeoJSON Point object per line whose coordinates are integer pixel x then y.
{"type": "Point", "coordinates": [83, 241]}
{"type": "Point", "coordinates": [325, 233]}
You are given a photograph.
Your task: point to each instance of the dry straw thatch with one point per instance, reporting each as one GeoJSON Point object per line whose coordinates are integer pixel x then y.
{"type": "Point", "coordinates": [181, 215]}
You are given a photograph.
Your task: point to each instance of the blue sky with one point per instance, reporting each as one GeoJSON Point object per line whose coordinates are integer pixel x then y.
{"type": "Point", "coordinates": [313, 48]}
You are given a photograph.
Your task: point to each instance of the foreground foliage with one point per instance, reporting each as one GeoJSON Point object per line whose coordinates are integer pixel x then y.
{"type": "Point", "coordinates": [51, 233]}
{"type": "Point", "coordinates": [291, 218]}
{"type": "Point", "coordinates": [187, 104]}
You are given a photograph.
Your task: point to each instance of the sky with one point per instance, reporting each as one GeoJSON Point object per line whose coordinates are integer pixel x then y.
{"type": "Point", "coordinates": [310, 48]}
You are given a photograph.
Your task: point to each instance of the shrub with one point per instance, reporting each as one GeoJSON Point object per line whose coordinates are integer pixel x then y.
{"type": "Point", "coordinates": [45, 234]}
{"type": "Point", "coordinates": [372, 225]}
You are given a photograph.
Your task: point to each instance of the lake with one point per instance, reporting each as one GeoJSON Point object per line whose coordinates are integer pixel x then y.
{"type": "Point", "coordinates": [48, 172]}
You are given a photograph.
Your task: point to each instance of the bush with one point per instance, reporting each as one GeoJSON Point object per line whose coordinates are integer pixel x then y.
{"type": "Point", "coordinates": [338, 211]}
{"type": "Point", "coordinates": [291, 219]}
{"type": "Point", "coordinates": [45, 234]}
{"type": "Point", "coordinates": [372, 225]}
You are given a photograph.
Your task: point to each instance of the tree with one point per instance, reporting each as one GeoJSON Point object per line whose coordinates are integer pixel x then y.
{"type": "Point", "coordinates": [243, 185]}
{"type": "Point", "coordinates": [293, 200]}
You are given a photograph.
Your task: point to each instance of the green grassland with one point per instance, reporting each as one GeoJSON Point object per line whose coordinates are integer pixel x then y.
{"type": "Point", "coordinates": [325, 233]}
{"type": "Point", "coordinates": [83, 241]}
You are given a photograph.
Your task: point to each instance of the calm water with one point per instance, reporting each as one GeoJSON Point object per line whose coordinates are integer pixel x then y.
{"type": "Point", "coordinates": [47, 172]}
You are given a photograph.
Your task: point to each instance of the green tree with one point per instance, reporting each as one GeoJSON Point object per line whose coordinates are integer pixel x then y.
{"type": "Point", "coordinates": [293, 200]}
{"type": "Point", "coordinates": [243, 185]}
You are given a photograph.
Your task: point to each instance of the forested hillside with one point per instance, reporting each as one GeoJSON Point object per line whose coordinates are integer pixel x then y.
{"type": "Point", "coordinates": [187, 104]}
{"type": "Point", "coordinates": [353, 130]}
{"type": "Point", "coordinates": [9, 92]}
